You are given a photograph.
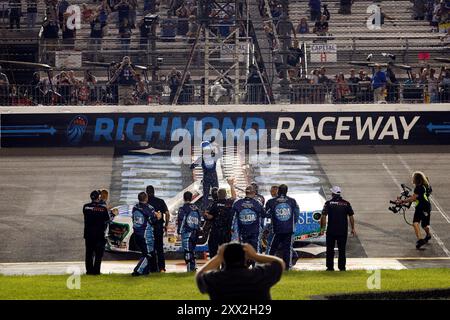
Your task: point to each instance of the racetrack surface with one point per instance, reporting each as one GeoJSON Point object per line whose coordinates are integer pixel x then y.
{"type": "Point", "coordinates": [43, 191]}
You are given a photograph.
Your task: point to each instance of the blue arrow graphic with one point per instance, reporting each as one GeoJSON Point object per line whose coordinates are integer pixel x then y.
{"type": "Point", "coordinates": [438, 128]}
{"type": "Point", "coordinates": [32, 130]}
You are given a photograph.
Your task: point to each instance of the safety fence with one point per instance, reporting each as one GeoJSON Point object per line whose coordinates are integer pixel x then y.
{"type": "Point", "coordinates": [220, 93]}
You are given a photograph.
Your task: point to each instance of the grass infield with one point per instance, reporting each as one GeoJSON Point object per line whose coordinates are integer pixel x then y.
{"type": "Point", "coordinates": [294, 285]}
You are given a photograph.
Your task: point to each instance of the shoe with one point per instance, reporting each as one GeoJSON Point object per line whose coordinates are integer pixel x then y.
{"type": "Point", "coordinates": [135, 274]}
{"type": "Point", "coordinates": [420, 243]}
{"type": "Point", "coordinates": [427, 238]}
{"type": "Point", "coordinates": [162, 270]}
{"type": "Point", "coordinates": [330, 269]}
{"type": "Point", "coordinates": [343, 270]}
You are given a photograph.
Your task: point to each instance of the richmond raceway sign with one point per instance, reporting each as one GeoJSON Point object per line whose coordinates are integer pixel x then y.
{"type": "Point", "coordinates": [291, 129]}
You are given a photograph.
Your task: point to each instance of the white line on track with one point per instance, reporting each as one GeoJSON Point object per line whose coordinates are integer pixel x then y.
{"type": "Point", "coordinates": [435, 236]}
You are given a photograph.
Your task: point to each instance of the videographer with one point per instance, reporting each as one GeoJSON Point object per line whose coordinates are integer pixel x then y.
{"type": "Point", "coordinates": [422, 212]}
{"type": "Point", "coordinates": [126, 78]}
{"type": "Point", "coordinates": [227, 276]}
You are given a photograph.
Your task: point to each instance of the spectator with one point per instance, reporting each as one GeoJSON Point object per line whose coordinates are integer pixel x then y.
{"type": "Point", "coordinates": [61, 9]}
{"type": "Point", "coordinates": [303, 27]}
{"type": "Point", "coordinates": [36, 89]}
{"type": "Point", "coordinates": [132, 13]}
{"type": "Point", "coordinates": [444, 85]}
{"type": "Point", "coordinates": [314, 8]}
{"type": "Point", "coordinates": [342, 89]}
{"type": "Point", "coordinates": [187, 91]}
{"type": "Point", "coordinates": [294, 59]}
{"type": "Point", "coordinates": [126, 79]}
{"type": "Point", "coordinates": [321, 26]}
{"type": "Point", "coordinates": [97, 27]}
{"type": "Point", "coordinates": [391, 85]}
{"type": "Point", "coordinates": [86, 13]}
{"type": "Point", "coordinates": [150, 6]}
{"type": "Point", "coordinates": [345, 6]}
{"type": "Point", "coordinates": [123, 11]}
{"type": "Point", "coordinates": [88, 91]}
{"type": "Point", "coordinates": [365, 87]}
{"type": "Point", "coordinates": [353, 82]}
{"type": "Point", "coordinates": [224, 28]}
{"type": "Point", "coordinates": [4, 89]}
{"type": "Point", "coordinates": [433, 83]}
{"type": "Point", "coordinates": [193, 29]}
{"type": "Point", "coordinates": [218, 93]}
{"type": "Point", "coordinates": [227, 277]}
{"type": "Point", "coordinates": [141, 92]}
{"type": "Point", "coordinates": [419, 8]}
{"type": "Point", "coordinates": [270, 36]}
{"type": "Point", "coordinates": [168, 29]}
{"type": "Point", "coordinates": [378, 84]}
{"type": "Point", "coordinates": [183, 23]}
{"type": "Point", "coordinates": [31, 13]}
{"type": "Point", "coordinates": [326, 12]}
{"type": "Point", "coordinates": [255, 89]}
{"type": "Point", "coordinates": [50, 33]}
{"type": "Point", "coordinates": [174, 80]}
{"type": "Point", "coordinates": [15, 12]}
{"type": "Point", "coordinates": [125, 35]}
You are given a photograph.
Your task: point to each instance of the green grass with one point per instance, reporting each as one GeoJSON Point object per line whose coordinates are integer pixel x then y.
{"type": "Point", "coordinates": [293, 285]}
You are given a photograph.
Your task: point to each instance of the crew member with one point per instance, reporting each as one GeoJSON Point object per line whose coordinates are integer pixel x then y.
{"type": "Point", "coordinates": [422, 192]}
{"type": "Point", "coordinates": [339, 212]}
{"type": "Point", "coordinates": [284, 212]}
{"type": "Point", "coordinates": [144, 220]}
{"type": "Point", "coordinates": [208, 161]}
{"type": "Point", "coordinates": [188, 228]}
{"type": "Point", "coordinates": [258, 197]}
{"type": "Point", "coordinates": [160, 227]}
{"type": "Point", "coordinates": [221, 216]}
{"type": "Point", "coordinates": [96, 218]}
{"type": "Point", "coordinates": [267, 230]}
{"type": "Point", "coordinates": [247, 214]}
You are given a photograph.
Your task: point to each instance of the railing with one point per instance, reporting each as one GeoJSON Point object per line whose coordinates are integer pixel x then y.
{"type": "Point", "coordinates": [331, 93]}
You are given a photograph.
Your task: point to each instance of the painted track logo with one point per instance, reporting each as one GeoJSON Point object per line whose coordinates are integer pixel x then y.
{"type": "Point", "coordinates": [76, 129]}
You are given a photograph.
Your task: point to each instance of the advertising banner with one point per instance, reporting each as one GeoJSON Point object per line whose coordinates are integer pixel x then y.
{"type": "Point", "coordinates": [290, 129]}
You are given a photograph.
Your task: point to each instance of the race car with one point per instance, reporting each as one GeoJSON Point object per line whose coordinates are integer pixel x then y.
{"type": "Point", "coordinates": [120, 234]}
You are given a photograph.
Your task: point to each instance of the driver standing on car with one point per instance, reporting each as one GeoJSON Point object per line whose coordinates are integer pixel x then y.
{"type": "Point", "coordinates": [208, 161]}
{"type": "Point", "coordinates": [144, 220]}
{"type": "Point", "coordinates": [284, 213]}
{"type": "Point", "coordinates": [339, 211]}
{"type": "Point", "coordinates": [188, 228]}
{"type": "Point", "coordinates": [96, 218]}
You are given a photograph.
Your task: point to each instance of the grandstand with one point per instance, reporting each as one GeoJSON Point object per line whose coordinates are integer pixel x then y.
{"type": "Point", "coordinates": [411, 41]}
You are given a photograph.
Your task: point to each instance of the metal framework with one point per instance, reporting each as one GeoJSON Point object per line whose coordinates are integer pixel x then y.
{"type": "Point", "coordinates": [228, 70]}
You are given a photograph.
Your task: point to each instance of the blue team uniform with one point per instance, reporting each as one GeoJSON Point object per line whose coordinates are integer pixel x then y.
{"type": "Point", "coordinates": [283, 212]}
{"type": "Point", "coordinates": [248, 214]}
{"type": "Point", "coordinates": [144, 218]}
{"type": "Point", "coordinates": [210, 180]}
{"type": "Point", "coordinates": [188, 228]}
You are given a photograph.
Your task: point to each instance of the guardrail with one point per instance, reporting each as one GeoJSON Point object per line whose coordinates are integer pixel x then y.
{"type": "Point", "coordinates": [330, 93]}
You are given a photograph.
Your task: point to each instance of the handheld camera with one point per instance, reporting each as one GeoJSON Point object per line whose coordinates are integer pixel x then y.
{"type": "Point", "coordinates": [396, 206]}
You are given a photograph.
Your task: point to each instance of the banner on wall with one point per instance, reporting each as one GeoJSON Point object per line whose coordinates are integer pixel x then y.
{"type": "Point", "coordinates": [323, 52]}
{"type": "Point", "coordinates": [291, 129]}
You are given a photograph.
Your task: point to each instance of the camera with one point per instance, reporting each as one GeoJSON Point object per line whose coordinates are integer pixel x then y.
{"type": "Point", "coordinates": [397, 207]}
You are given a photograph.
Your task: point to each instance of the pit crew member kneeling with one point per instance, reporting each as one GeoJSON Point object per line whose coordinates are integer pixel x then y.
{"type": "Point", "coordinates": [188, 228]}
{"type": "Point", "coordinates": [144, 220]}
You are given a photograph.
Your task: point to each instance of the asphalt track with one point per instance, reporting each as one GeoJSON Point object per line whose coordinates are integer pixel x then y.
{"type": "Point", "coordinates": [43, 191]}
